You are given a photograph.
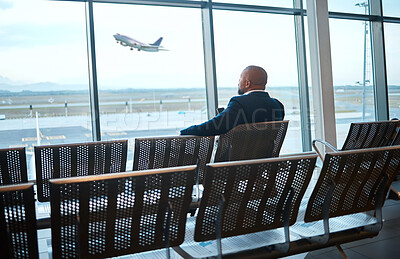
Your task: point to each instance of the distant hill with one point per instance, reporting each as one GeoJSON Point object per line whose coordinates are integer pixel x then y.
{"type": "Point", "coordinates": [9, 87]}
{"type": "Point", "coordinates": [40, 87]}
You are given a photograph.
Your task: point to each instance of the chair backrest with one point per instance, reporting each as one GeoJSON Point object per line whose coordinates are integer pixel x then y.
{"type": "Point", "coordinates": [370, 134]}
{"type": "Point", "coordinates": [255, 193]}
{"type": "Point", "coordinates": [251, 141]}
{"type": "Point", "coordinates": [357, 175]}
{"type": "Point", "coordinates": [79, 159]}
{"type": "Point", "coordinates": [18, 233]}
{"type": "Point", "coordinates": [163, 152]}
{"type": "Point", "coordinates": [396, 139]}
{"type": "Point", "coordinates": [115, 214]}
{"type": "Point", "coordinates": [13, 166]}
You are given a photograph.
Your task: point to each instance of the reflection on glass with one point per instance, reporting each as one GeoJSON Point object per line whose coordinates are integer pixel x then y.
{"type": "Point", "coordinates": [349, 6]}
{"type": "Point", "coordinates": [43, 75]}
{"type": "Point", "coordinates": [352, 74]}
{"type": "Point", "coordinates": [270, 43]}
{"type": "Point", "coordinates": [392, 39]}
{"type": "Point", "coordinates": [149, 93]}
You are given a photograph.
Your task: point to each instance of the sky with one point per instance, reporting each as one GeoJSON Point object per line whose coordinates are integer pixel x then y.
{"type": "Point", "coordinates": [49, 44]}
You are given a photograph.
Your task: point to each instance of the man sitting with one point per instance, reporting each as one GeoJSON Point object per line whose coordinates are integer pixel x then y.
{"type": "Point", "coordinates": [252, 105]}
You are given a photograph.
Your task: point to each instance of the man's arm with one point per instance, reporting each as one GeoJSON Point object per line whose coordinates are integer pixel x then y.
{"type": "Point", "coordinates": [218, 125]}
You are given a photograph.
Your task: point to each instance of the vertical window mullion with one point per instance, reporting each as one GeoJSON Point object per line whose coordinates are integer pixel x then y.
{"type": "Point", "coordinates": [209, 59]}
{"type": "Point", "coordinates": [93, 89]}
{"type": "Point", "coordinates": [379, 62]}
{"type": "Point", "coordinates": [304, 97]}
{"type": "Point", "coordinates": [321, 70]}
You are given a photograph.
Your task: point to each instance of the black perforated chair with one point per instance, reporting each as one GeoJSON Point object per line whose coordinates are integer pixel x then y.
{"type": "Point", "coordinates": [351, 183]}
{"type": "Point", "coordinates": [163, 152]}
{"type": "Point", "coordinates": [13, 166]}
{"type": "Point", "coordinates": [365, 135]}
{"type": "Point", "coordinates": [18, 222]}
{"type": "Point", "coordinates": [79, 159]}
{"type": "Point", "coordinates": [248, 204]}
{"type": "Point", "coordinates": [251, 141]}
{"type": "Point", "coordinates": [394, 192]}
{"type": "Point", "coordinates": [116, 214]}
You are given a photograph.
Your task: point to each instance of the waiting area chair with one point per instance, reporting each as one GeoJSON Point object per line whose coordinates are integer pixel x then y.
{"type": "Point", "coordinates": [251, 141]}
{"type": "Point", "coordinates": [346, 203]}
{"type": "Point", "coordinates": [256, 212]}
{"type": "Point", "coordinates": [365, 135]}
{"type": "Point", "coordinates": [18, 233]}
{"type": "Point", "coordinates": [116, 214]}
{"type": "Point", "coordinates": [163, 152]}
{"type": "Point", "coordinates": [241, 199]}
{"type": "Point", "coordinates": [394, 192]}
{"type": "Point", "coordinates": [79, 159]}
{"type": "Point", "coordinates": [13, 166]}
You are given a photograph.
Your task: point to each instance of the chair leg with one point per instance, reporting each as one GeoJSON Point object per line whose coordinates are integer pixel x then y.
{"type": "Point", "coordinates": [341, 251]}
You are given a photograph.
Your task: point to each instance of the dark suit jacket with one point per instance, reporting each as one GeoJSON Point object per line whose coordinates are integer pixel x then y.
{"type": "Point", "coordinates": [249, 108]}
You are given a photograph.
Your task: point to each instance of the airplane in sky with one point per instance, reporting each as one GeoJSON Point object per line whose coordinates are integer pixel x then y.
{"type": "Point", "coordinates": [132, 43]}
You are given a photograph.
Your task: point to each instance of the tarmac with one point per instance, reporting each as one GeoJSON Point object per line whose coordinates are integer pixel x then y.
{"type": "Point", "coordinates": [75, 129]}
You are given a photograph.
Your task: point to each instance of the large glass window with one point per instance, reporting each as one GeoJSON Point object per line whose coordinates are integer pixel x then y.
{"type": "Point", "coordinates": [352, 74]}
{"type": "Point", "coordinates": [147, 90]}
{"type": "Point", "coordinates": [391, 8]}
{"type": "Point", "coordinates": [266, 40]}
{"type": "Point", "coordinates": [275, 3]}
{"type": "Point", "coordinates": [43, 75]}
{"type": "Point", "coordinates": [392, 42]}
{"type": "Point", "coordinates": [349, 6]}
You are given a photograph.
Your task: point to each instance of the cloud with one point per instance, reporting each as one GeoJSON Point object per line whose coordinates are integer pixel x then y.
{"type": "Point", "coordinates": [5, 5]}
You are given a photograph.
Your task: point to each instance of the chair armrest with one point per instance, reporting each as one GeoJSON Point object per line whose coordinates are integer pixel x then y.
{"type": "Point", "coordinates": [326, 144]}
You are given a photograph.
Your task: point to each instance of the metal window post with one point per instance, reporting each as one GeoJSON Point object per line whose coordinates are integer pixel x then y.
{"type": "Point", "coordinates": [321, 70]}
{"type": "Point", "coordinates": [379, 62]}
{"type": "Point", "coordinates": [302, 77]}
{"type": "Point", "coordinates": [209, 59]}
{"type": "Point", "coordinates": [93, 90]}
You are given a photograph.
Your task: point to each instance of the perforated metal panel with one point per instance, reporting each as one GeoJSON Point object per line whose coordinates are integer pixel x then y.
{"type": "Point", "coordinates": [112, 215]}
{"type": "Point", "coordinates": [255, 194]}
{"type": "Point", "coordinates": [357, 175]}
{"type": "Point", "coordinates": [163, 152]}
{"type": "Point", "coordinates": [18, 222]}
{"type": "Point", "coordinates": [80, 159]}
{"type": "Point", "coordinates": [370, 134]}
{"type": "Point", "coordinates": [13, 166]}
{"type": "Point", "coordinates": [252, 141]}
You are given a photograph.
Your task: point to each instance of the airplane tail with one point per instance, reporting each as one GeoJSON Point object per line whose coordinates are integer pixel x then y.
{"type": "Point", "coordinates": [158, 42]}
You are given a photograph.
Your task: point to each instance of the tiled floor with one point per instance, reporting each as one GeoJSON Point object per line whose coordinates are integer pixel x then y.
{"type": "Point", "coordinates": [385, 245]}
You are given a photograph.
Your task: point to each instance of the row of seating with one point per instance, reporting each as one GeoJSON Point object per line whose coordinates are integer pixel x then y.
{"type": "Point", "coordinates": [248, 208]}
{"type": "Point", "coordinates": [95, 158]}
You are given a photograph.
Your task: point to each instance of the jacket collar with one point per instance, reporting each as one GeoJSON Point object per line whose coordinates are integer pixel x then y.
{"type": "Point", "coordinates": [256, 91]}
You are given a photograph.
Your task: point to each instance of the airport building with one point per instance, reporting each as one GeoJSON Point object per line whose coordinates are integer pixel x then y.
{"type": "Point", "coordinates": [74, 71]}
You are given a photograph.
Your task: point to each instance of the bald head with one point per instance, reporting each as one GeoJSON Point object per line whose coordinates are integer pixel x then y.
{"type": "Point", "coordinates": [252, 78]}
